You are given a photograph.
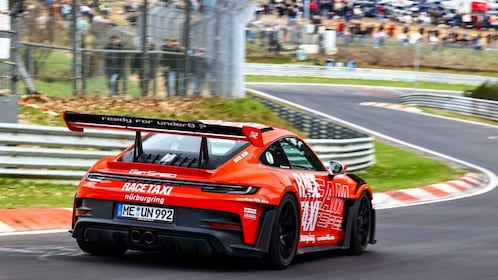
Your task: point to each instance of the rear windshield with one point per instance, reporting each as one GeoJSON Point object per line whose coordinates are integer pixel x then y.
{"type": "Point", "coordinates": [185, 151]}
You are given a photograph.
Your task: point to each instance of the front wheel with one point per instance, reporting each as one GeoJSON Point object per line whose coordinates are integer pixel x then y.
{"type": "Point", "coordinates": [285, 234]}
{"type": "Point", "coordinates": [362, 224]}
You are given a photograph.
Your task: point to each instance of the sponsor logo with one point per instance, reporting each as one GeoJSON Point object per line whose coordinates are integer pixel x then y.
{"type": "Point", "coordinates": [252, 199]}
{"type": "Point", "coordinates": [327, 237]}
{"type": "Point", "coordinates": [117, 119]}
{"type": "Point", "coordinates": [308, 238]}
{"type": "Point", "coordinates": [147, 188]}
{"type": "Point", "coordinates": [322, 205]}
{"type": "Point", "coordinates": [144, 198]}
{"type": "Point", "coordinates": [241, 156]}
{"type": "Point", "coordinates": [152, 173]}
{"type": "Point", "coordinates": [250, 213]}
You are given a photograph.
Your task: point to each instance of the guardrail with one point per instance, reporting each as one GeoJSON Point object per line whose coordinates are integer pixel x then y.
{"type": "Point", "coordinates": [464, 105]}
{"type": "Point", "coordinates": [34, 151]}
{"type": "Point", "coordinates": [300, 70]}
{"type": "Point", "coordinates": [313, 126]}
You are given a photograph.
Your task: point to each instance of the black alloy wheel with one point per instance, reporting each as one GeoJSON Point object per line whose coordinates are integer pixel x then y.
{"type": "Point", "coordinates": [362, 224]}
{"type": "Point", "coordinates": [285, 234]}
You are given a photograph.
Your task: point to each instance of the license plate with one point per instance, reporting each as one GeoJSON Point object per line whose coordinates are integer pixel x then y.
{"type": "Point", "coordinates": [145, 213]}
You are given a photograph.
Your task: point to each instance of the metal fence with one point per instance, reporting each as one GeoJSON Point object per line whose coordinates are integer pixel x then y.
{"type": "Point", "coordinates": [481, 108]}
{"type": "Point", "coordinates": [169, 49]}
{"type": "Point", "coordinates": [315, 127]}
{"type": "Point", "coordinates": [300, 70]}
{"type": "Point", "coordinates": [33, 151]}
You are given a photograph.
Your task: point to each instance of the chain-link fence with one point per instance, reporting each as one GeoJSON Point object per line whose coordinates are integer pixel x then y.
{"type": "Point", "coordinates": [170, 48]}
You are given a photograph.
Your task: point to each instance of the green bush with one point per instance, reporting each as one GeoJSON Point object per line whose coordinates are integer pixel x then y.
{"type": "Point", "coordinates": [488, 91]}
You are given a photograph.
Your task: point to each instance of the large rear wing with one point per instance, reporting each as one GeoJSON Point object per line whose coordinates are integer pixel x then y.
{"type": "Point", "coordinates": [238, 131]}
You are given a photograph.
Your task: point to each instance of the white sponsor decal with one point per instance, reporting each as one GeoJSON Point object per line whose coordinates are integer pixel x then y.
{"type": "Point", "coordinates": [250, 213]}
{"type": "Point", "coordinates": [252, 199]}
{"type": "Point", "coordinates": [321, 206]}
{"type": "Point", "coordinates": [325, 238]}
{"type": "Point", "coordinates": [253, 135]}
{"type": "Point", "coordinates": [144, 198]}
{"type": "Point", "coordinates": [152, 173]}
{"type": "Point", "coordinates": [147, 188]}
{"type": "Point", "coordinates": [309, 189]}
{"type": "Point", "coordinates": [117, 119]}
{"type": "Point", "coordinates": [308, 238]}
{"type": "Point", "coordinates": [241, 156]}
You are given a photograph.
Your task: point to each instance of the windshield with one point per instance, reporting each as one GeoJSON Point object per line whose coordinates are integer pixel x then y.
{"type": "Point", "coordinates": [186, 151]}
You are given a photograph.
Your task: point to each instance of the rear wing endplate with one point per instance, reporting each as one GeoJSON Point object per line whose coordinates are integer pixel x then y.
{"type": "Point", "coordinates": [77, 122]}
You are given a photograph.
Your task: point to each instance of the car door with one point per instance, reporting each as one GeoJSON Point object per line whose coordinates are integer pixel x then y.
{"type": "Point", "coordinates": [320, 199]}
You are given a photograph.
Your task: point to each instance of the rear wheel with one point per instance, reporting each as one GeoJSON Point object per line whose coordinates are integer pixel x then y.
{"type": "Point", "coordinates": [285, 234]}
{"type": "Point", "coordinates": [362, 224]}
{"type": "Point", "coordinates": [99, 249]}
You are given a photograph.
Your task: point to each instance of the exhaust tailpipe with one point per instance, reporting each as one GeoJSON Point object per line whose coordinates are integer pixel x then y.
{"type": "Point", "coordinates": [136, 236]}
{"type": "Point", "coordinates": [149, 237]}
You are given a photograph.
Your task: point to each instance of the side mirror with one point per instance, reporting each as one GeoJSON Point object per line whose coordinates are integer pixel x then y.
{"type": "Point", "coordinates": [336, 167]}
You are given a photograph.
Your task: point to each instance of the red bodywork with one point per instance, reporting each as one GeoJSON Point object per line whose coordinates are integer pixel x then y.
{"type": "Point", "coordinates": [323, 198]}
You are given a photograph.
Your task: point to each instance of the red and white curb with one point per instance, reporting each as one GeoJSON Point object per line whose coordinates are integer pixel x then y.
{"type": "Point", "coordinates": [469, 183]}
{"type": "Point", "coordinates": [392, 106]}
{"type": "Point", "coordinates": [32, 221]}
{"type": "Point", "coordinates": [5, 228]}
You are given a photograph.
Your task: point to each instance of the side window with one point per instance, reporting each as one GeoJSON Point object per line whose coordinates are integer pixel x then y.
{"type": "Point", "coordinates": [275, 156]}
{"type": "Point", "coordinates": [300, 155]}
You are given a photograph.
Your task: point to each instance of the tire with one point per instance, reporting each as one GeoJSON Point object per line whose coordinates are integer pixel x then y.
{"type": "Point", "coordinates": [284, 235]}
{"type": "Point", "coordinates": [100, 250]}
{"type": "Point", "coordinates": [362, 224]}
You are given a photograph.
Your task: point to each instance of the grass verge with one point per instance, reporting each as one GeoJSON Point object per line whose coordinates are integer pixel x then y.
{"type": "Point", "coordinates": [395, 168]}
{"type": "Point", "coordinates": [389, 173]}
{"type": "Point", "coordinates": [309, 80]}
{"type": "Point", "coordinates": [18, 193]}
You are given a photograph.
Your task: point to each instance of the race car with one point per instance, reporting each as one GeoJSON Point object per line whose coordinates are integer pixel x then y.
{"type": "Point", "coordinates": [215, 187]}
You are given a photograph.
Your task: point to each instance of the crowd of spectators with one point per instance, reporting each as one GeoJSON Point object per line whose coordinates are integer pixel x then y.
{"type": "Point", "coordinates": [358, 24]}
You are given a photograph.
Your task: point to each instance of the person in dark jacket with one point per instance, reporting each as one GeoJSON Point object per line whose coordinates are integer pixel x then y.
{"type": "Point", "coordinates": [174, 62]}
{"type": "Point", "coordinates": [199, 69]}
{"type": "Point", "coordinates": [151, 64]}
{"type": "Point", "coordinates": [114, 64]}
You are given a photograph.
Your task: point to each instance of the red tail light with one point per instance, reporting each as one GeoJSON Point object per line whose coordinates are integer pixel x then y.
{"type": "Point", "coordinates": [226, 226]}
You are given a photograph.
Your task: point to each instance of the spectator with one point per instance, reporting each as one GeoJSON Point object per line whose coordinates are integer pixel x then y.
{"type": "Point", "coordinates": [66, 10]}
{"type": "Point", "coordinates": [313, 8]}
{"type": "Point", "coordinates": [151, 63]}
{"type": "Point", "coordinates": [82, 25]}
{"type": "Point", "coordinates": [477, 43]}
{"type": "Point", "coordinates": [402, 39]}
{"type": "Point", "coordinates": [415, 37]}
{"type": "Point", "coordinates": [103, 9]}
{"type": "Point", "coordinates": [433, 41]}
{"type": "Point", "coordinates": [340, 28]}
{"type": "Point", "coordinates": [102, 18]}
{"type": "Point", "coordinates": [173, 62]}
{"type": "Point", "coordinates": [351, 64]}
{"type": "Point", "coordinates": [86, 11]}
{"type": "Point", "coordinates": [200, 67]}
{"type": "Point", "coordinates": [390, 30]}
{"type": "Point", "coordinates": [274, 40]}
{"type": "Point", "coordinates": [114, 64]}
{"type": "Point", "coordinates": [379, 38]}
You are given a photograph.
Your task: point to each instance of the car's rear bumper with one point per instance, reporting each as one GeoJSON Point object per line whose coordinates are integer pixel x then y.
{"type": "Point", "coordinates": [191, 232]}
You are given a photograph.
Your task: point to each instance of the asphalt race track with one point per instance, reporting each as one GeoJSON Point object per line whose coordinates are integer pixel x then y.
{"type": "Point", "coordinates": [456, 239]}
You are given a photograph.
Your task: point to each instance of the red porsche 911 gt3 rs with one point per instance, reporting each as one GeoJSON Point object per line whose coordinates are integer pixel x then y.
{"type": "Point", "coordinates": [205, 187]}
